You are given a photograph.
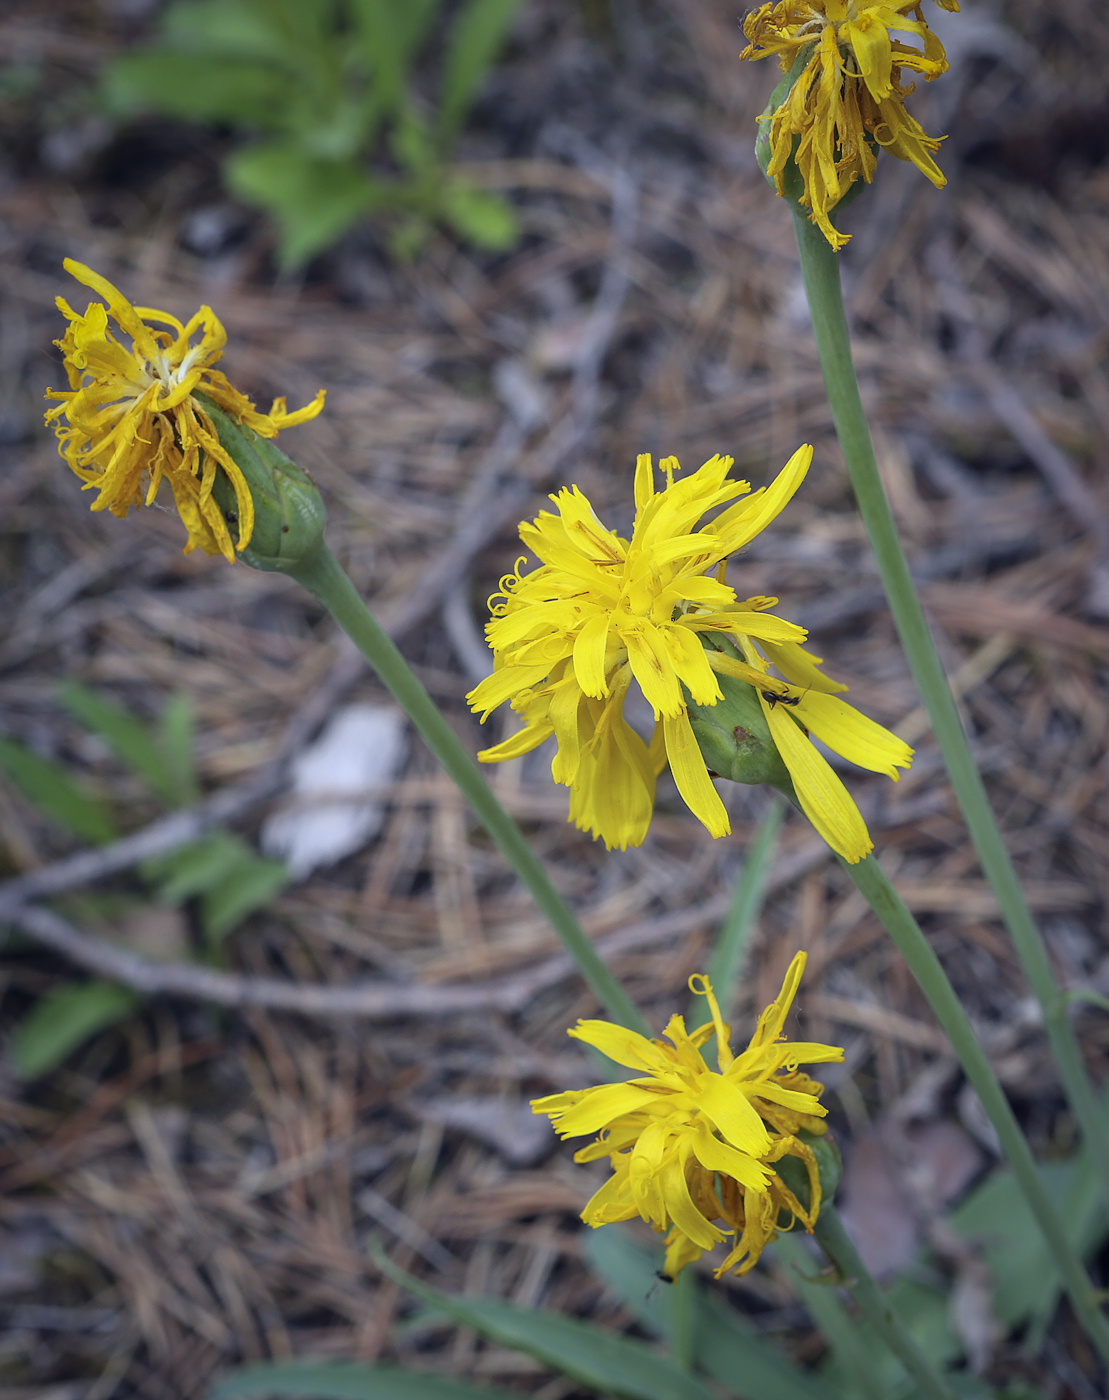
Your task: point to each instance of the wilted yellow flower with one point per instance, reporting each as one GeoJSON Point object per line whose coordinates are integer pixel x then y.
{"type": "Point", "coordinates": [849, 99]}
{"type": "Point", "coordinates": [690, 1145]}
{"type": "Point", "coordinates": [131, 418]}
{"type": "Point", "coordinates": [571, 637]}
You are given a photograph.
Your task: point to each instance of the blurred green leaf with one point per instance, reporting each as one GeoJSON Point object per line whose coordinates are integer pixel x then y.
{"type": "Point", "coordinates": [343, 1381]}
{"type": "Point", "coordinates": [389, 35]}
{"type": "Point", "coordinates": [996, 1218]}
{"type": "Point", "coordinates": [225, 873]}
{"type": "Point", "coordinates": [479, 217]}
{"type": "Point", "coordinates": [725, 1345]}
{"type": "Point", "coordinates": [196, 868]}
{"type": "Point", "coordinates": [247, 886]}
{"type": "Point", "coordinates": [600, 1360]}
{"type": "Point", "coordinates": [313, 200]}
{"type": "Point", "coordinates": [284, 32]}
{"type": "Point", "coordinates": [475, 39]}
{"type": "Point", "coordinates": [19, 81]}
{"type": "Point", "coordinates": [49, 786]}
{"type": "Point", "coordinates": [320, 80]}
{"type": "Point", "coordinates": [408, 240]}
{"type": "Point", "coordinates": [124, 732]}
{"type": "Point", "coordinates": [926, 1315]}
{"type": "Point", "coordinates": [176, 744]}
{"type": "Point", "coordinates": [64, 1019]}
{"type": "Point", "coordinates": [195, 87]}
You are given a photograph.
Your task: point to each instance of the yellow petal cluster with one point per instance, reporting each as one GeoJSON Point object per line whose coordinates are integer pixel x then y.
{"type": "Point", "coordinates": [603, 613]}
{"type": "Point", "coordinates": [130, 418]}
{"type": "Point", "coordinates": [690, 1146]}
{"type": "Point", "coordinates": [849, 100]}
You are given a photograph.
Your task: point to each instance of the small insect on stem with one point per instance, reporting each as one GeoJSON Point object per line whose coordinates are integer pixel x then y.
{"type": "Point", "coordinates": [773, 698]}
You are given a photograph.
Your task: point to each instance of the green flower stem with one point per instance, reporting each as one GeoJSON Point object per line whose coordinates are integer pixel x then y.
{"type": "Point", "coordinates": [874, 884]}
{"type": "Point", "coordinates": [820, 270]}
{"type": "Point", "coordinates": [681, 1300]}
{"type": "Point", "coordinates": [834, 1321]}
{"type": "Point", "coordinates": [728, 955]}
{"type": "Point", "coordinates": [875, 1307]}
{"type": "Point", "coordinates": [322, 575]}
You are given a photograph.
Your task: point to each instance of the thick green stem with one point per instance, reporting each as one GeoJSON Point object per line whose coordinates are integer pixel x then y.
{"type": "Point", "coordinates": [906, 933]}
{"type": "Point", "coordinates": [875, 1307]}
{"type": "Point", "coordinates": [322, 575]}
{"type": "Point", "coordinates": [820, 270]}
{"type": "Point", "coordinates": [681, 1299]}
{"type": "Point", "coordinates": [836, 1325]}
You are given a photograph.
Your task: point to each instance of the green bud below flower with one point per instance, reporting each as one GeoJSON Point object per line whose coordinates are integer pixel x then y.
{"type": "Point", "coordinates": [289, 513]}
{"type": "Point", "coordinates": [733, 735]}
{"type": "Point", "coordinates": [829, 1169]}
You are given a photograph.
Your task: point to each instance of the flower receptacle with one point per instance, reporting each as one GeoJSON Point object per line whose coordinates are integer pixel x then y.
{"type": "Point", "coordinates": [289, 513]}
{"type": "Point", "coordinates": [829, 1168]}
{"type": "Point", "coordinates": [733, 735]}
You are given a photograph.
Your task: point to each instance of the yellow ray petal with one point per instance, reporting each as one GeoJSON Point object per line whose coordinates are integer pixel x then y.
{"type": "Point", "coordinates": [853, 735]}
{"type": "Point", "coordinates": [691, 775]}
{"type": "Point", "coordinates": [741, 523]}
{"type": "Point", "coordinates": [824, 799]}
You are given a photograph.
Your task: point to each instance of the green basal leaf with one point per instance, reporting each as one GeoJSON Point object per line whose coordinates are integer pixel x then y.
{"type": "Point", "coordinates": [926, 1315]}
{"type": "Point", "coordinates": [284, 32]}
{"type": "Point", "coordinates": [196, 868]}
{"type": "Point", "coordinates": [322, 1380]}
{"type": "Point", "coordinates": [124, 732]}
{"type": "Point", "coordinates": [484, 219]}
{"type": "Point", "coordinates": [725, 1345]}
{"type": "Point", "coordinates": [247, 886]}
{"type": "Point", "coordinates": [389, 36]}
{"type": "Point", "coordinates": [49, 786]}
{"type": "Point", "coordinates": [475, 39]}
{"type": "Point", "coordinates": [196, 88]}
{"type": "Point", "coordinates": [313, 200]}
{"type": "Point", "coordinates": [63, 1020]}
{"type": "Point", "coordinates": [599, 1360]}
{"type": "Point", "coordinates": [176, 740]}
{"type": "Point", "coordinates": [997, 1220]}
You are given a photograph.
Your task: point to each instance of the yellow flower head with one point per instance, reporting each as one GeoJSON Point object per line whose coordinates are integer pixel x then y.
{"type": "Point", "coordinates": [849, 98]}
{"type": "Point", "coordinates": [130, 417]}
{"type": "Point", "coordinates": [690, 1145]}
{"type": "Point", "coordinates": [571, 637]}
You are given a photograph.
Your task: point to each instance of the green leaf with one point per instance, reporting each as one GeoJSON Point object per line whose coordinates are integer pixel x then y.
{"type": "Point", "coordinates": [996, 1217]}
{"type": "Point", "coordinates": [475, 38]}
{"type": "Point", "coordinates": [247, 886]}
{"type": "Point", "coordinates": [197, 88]}
{"type": "Point", "coordinates": [342, 1381]}
{"type": "Point", "coordinates": [176, 741]}
{"type": "Point", "coordinates": [484, 219]}
{"type": "Point", "coordinates": [389, 35]}
{"type": "Point", "coordinates": [49, 786]}
{"type": "Point", "coordinates": [926, 1315]}
{"type": "Point", "coordinates": [313, 200]}
{"type": "Point", "coordinates": [408, 240]}
{"type": "Point", "coordinates": [597, 1359]}
{"type": "Point", "coordinates": [196, 868]}
{"type": "Point", "coordinates": [725, 1344]}
{"type": "Point", "coordinates": [126, 734]}
{"type": "Point", "coordinates": [64, 1019]}
{"type": "Point", "coordinates": [285, 32]}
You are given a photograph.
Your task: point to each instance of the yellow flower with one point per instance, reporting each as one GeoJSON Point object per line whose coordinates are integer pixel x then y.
{"type": "Point", "coordinates": [131, 419]}
{"type": "Point", "coordinates": [849, 98]}
{"type": "Point", "coordinates": [601, 612]}
{"type": "Point", "coordinates": [690, 1145]}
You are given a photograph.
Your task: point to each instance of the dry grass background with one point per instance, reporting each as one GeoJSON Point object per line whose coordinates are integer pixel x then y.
{"type": "Point", "coordinates": [195, 1189]}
